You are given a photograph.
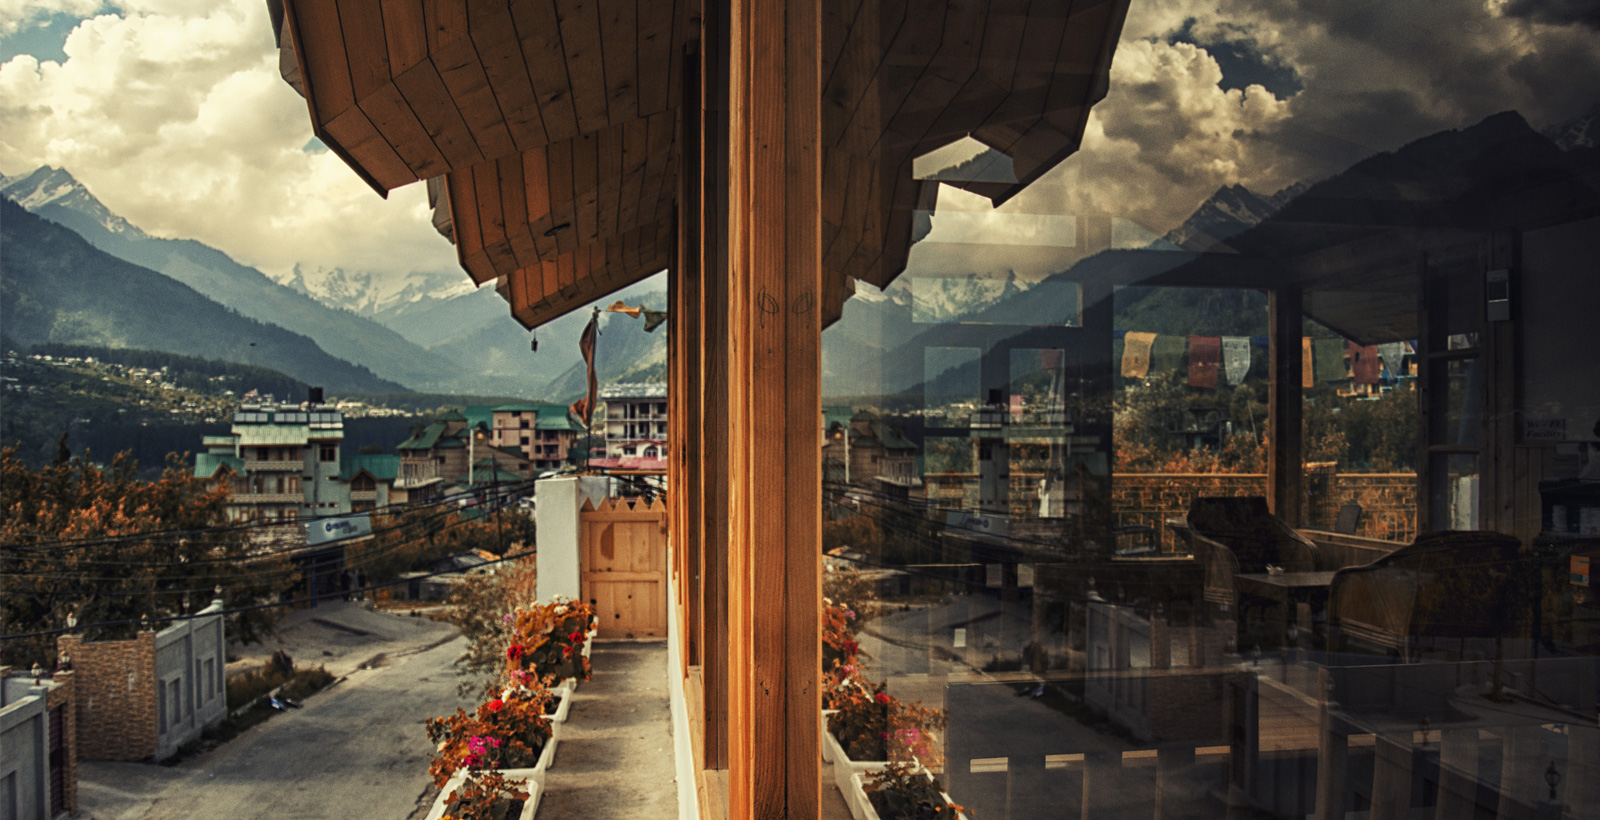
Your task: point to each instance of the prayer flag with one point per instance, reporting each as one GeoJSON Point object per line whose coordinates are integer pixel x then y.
{"type": "Point", "coordinates": [1166, 355]}
{"type": "Point", "coordinates": [1136, 355]}
{"type": "Point", "coordinates": [1330, 360]}
{"type": "Point", "coordinates": [584, 407]}
{"type": "Point", "coordinates": [1205, 355]}
{"type": "Point", "coordinates": [1308, 372]}
{"type": "Point", "coordinates": [1364, 363]}
{"type": "Point", "coordinates": [1235, 358]}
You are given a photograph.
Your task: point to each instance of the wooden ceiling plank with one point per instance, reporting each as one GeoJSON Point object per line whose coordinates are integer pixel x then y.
{"type": "Point", "coordinates": [859, 63]}
{"type": "Point", "coordinates": [561, 195]}
{"type": "Point", "coordinates": [356, 136]}
{"type": "Point", "coordinates": [399, 125]}
{"type": "Point", "coordinates": [491, 219]}
{"type": "Point", "coordinates": [361, 25]}
{"type": "Point", "coordinates": [327, 65]}
{"type": "Point", "coordinates": [494, 36]}
{"type": "Point", "coordinates": [405, 34]}
{"type": "Point", "coordinates": [619, 43]}
{"type": "Point", "coordinates": [837, 18]}
{"type": "Point", "coordinates": [539, 33]}
{"type": "Point", "coordinates": [514, 203]}
{"type": "Point", "coordinates": [424, 90]}
{"type": "Point", "coordinates": [459, 69]}
{"type": "Point", "coordinates": [635, 154]}
{"type": "Point", "coordinates": [586, 71]}
{"type": "Point", "coordinates": [609, 163]}
{"type": "Point", "coordinates": [564, 271]}
{"type": "Point", "coordinates": [536, 185]}
{"type": "Point", "coordinates": [656, 21]}
{"type": "Point", "coordinates": [464, 211]}
{"type": "Point", "coordinates": [585, 178]}
{"type": "Point", "coordinates": [662, 131]}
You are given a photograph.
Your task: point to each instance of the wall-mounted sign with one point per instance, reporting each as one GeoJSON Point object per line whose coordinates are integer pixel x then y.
{"type": "Point", "coordinates": [1544, 429]}
{"type": "Point", "coordinates": [328, 530]}
{"type": "Point", "coordinates": [1580, 570]}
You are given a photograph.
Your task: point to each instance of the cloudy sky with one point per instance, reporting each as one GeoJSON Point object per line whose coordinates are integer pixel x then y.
{"type": "Point", "coordinates": [173, 114]}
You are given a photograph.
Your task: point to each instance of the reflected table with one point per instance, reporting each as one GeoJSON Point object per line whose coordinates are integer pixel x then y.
{"type": "Point", "coordinates": [1287, 591]}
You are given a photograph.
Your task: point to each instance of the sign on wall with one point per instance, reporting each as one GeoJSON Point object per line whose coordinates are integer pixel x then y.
{"type": "Point", "coordinates": [341, 528]}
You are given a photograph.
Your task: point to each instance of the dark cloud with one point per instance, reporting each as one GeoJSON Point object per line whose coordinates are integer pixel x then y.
{"type": "Point", "coordinates": [1556, 12]}
{"type": "Point", "coordinates": [1242, 60]}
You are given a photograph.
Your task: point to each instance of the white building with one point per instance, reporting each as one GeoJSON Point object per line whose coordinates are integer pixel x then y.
{"type": "Point", "coordinates": [636, 420]}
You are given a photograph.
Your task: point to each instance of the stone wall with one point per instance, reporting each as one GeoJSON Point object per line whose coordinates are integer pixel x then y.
{"type": "Point", "coordinates": [63, 696]}
{"type": "Point", "coordinates": [189, 668]}
{"type": "Point", "coordinates": [115, 684]}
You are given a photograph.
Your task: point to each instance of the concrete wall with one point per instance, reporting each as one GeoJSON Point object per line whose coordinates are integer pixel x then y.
{"type": "Point", "coordinates": [558, 506]}
{"type": "Point", "coordinates": [25, 759]}
{"type": "Point", "coordinates": [145, 697]}
{"type": "Point", "coordinates": [191, 693]}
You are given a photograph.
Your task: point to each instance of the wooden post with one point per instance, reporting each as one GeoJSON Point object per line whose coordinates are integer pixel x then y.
{"type": "Point", "coordinates": [1458, 773]}
{"type": "Point", "coordinates": [1285, 470]}
{"type": "Point", "coordinates": [1333, 751]}
{"type": "Point", "coordinates": [774, 347]}
{"type": "Point", "coordinates": [714, 433]}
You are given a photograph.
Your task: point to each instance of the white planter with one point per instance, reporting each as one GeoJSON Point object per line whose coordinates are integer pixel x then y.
{"type": "Point", "coordinates": [535, 789]}
{"type": "Point", "coordinates": [844, 769]}
{"type": "Point", "coordinates": [563, 694]}
{"type": "Point", "coordinates": [858, 794]}
{"type": "Point", "coordinates": [827, 748]}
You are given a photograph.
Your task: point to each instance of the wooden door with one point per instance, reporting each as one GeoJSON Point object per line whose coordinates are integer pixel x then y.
{"type": "Point", "coordinates": [625, 567]}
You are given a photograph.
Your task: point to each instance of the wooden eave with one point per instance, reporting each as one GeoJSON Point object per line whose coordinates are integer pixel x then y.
{"type": "Point", "coordinates": [554, 122]}
{"type": "Point", "coordinates": [412, 89]}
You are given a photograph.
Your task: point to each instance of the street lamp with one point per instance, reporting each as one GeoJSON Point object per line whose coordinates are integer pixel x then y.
{"type": "Point", "coordinates": [1552, 777]}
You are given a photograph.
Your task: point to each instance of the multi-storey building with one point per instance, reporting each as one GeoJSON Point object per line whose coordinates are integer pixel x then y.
{"type": "Point", "coordinates": [636, 420]}
{"type": "Point", "coordinates": [286, 463]}
{"type": "Point", "coordinates": [437, 457]}
{"type": "Point", "coordinates": [545, 433]}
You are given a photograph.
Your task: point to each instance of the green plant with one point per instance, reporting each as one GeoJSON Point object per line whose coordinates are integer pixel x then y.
{"type": "Point", "coordinates": [902, 791]}
{"type": "Point", "coordinates": [306, 682]}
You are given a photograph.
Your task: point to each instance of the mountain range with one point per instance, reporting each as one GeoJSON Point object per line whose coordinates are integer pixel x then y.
{"type": "Point", "coordinates": [882, 347]}
{"type": "Point", "coordinates": [56, 287]}
{"type": "Point", "coordinates": [426, 331]}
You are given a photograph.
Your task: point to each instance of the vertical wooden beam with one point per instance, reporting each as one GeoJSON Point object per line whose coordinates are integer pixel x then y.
{"type": "Point", "coordinates": [686, 328]}
{"type": "Point", "coordinates": [774, 343]}
{"type": "Point", "coordinates": [1285, 468]}
{"type": "Point", "coordinates": [713, 183]}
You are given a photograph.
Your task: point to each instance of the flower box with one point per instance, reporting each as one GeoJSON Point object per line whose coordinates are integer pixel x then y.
{"type": "Point", "coordinates": [857, 795]}
{"type": "Point", "coordinates": [535, 789]}
{"type": "Point", "coordinates": [844, 769]}
{"type": "Point", "coordinates": [827, 748]}
{"type": "Point", "coordinates": [563, 695]}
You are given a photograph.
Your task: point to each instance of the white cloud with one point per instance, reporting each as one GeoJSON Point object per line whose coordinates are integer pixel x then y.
{"type": "Point", "coordinates": [173, 114]}
{"type": "Point", "coordinates": [17, 14]}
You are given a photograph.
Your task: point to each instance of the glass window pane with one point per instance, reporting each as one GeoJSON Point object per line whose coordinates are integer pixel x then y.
{"type": "Point", "coordinates": [950, 385]}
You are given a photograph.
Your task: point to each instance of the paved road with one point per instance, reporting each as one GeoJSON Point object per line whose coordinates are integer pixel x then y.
{"type": "Point", "coordinates": [356, 750]}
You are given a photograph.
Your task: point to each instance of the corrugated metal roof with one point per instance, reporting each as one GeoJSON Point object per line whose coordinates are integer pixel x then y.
{"type": "Point", "coordinates": [380, 467]}
{"type": "Point", "coordinates": [207, 464]}
{"type": "Point", "coordinates": [425, 439]}
{"type": "Point", "coordinates": [634, 390]}
{"type": "Point", "coordinates": [252, 435]}
{"type": "Point", "coordinates": [216, 441]}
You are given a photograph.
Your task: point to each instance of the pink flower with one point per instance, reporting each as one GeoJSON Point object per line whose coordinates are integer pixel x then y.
{"type": "Point", "coordinates": [506, 619]}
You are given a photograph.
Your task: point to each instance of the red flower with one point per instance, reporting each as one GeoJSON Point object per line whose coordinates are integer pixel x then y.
{"type": "Point", "coordinates": [514, 651]}
{"type": "Point", "coordinates": [575, 637]}
{"type": "Point", "coordinates": [495, 705]}
{"type": "Point", "coordinates": [882, 697]}
{"type": "Point", "coordinates": [566, 650]}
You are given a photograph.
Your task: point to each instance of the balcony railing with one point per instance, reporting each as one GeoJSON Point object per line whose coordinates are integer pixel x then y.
{"type": "Point", "coordinates": [274, 466]}
{"type": "Point", "coordinates": [268, 498]}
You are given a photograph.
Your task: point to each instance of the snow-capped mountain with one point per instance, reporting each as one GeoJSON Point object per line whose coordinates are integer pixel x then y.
{"type": "Point", "coordinates": [1582, 132]}
{"type": "Point", "coordinates": [366, 294]}
{"type": "Point", "coordinates": [1227, 213]}
{"type": "Point", "coordinates": [953, 298]}
{"type": "Point", "coordinates": [46, 186]}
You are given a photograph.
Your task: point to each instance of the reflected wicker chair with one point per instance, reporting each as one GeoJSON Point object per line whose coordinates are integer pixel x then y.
{"type": "Point", "coordinates": [1450, 585]}
{"type": "Point", "coordinates": [1237, 535]}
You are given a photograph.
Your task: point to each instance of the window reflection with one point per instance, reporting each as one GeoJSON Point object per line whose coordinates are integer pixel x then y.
{"type": "Point", "coordinates": [1165, 555]}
